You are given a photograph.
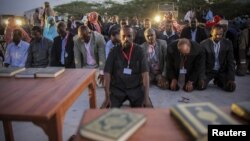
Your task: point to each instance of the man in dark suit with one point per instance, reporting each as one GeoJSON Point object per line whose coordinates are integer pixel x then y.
{"type": "Point", "coordinates": [184, 64]}
{"type": "Point", "coordinates": [62, 53]}
{"type": "Point", "coordinates": [194, 32]}
{"type": "Point", "coordinates": [169, 34]}
{"type": "Point", "coordinates": [219, 63]}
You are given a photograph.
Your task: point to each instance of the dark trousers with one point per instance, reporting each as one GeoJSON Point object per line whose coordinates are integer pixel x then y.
{"type": "Point", "coordinates": [119, 96]}
{"type": "Point", "coordinates": [220, 79]}
{"type": "Point", "coordinates": [244, 54]}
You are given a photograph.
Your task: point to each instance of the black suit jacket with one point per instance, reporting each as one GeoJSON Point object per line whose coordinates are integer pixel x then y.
{"type": "Point", "coordinates": [170, 39]}
{"type": "Point", "coordinates": [193, 63]}
{"type": "Point", "coordinates": [200, 34]}
{"type": "Point", "coordinates": [56, 52]}
{"type": "Point", "coordinates": [226, 57]}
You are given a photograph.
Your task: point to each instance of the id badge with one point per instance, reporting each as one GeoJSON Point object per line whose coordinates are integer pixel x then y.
{"type": "Point", "coordinates": [127, 71]}
{"type": "Point", "coordinates": [66, 55]}
{"type": "Point", "coordinates": [183, 71]}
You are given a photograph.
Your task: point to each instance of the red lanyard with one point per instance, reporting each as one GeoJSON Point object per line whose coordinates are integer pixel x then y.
{"type": "Point", "coordinates": [128, 58]}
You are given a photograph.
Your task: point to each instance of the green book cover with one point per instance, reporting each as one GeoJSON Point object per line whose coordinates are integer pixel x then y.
{"type": "Point", "coordinates": [241, 109]}
{"type": "Point", "coordinates": [197, 116]}
{"type": "Point", "coordinates": [10, 71]}
{"type": "Point", "coordinates": [115, 125]}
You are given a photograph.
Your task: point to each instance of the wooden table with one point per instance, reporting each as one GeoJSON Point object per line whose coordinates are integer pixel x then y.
{"type": "Point", "coordinates": [160, 126]}
{"type": "Point", "coordinates": [44, 101]}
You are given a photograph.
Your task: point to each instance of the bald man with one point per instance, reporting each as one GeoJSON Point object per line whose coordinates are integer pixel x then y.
{"type": "Point", "coordinates": [184, 58]}
{"type": "Point", "coordinates": [126, 74]}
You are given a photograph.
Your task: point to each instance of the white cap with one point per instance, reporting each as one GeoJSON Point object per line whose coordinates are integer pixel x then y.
{"type": "Point", "coordinates": [84, 19]}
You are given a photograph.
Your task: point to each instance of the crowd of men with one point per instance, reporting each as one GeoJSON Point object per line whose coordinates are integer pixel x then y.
{"type": "Point", "coordinates": [129, 58]}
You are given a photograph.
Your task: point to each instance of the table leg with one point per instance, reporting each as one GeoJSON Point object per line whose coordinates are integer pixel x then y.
{"type": "Point", "coordinates": [53, 128]}
{"type": "Point", "coordinates": [8, 131]}
{"type": "Point", "coordinates": [92, 94]}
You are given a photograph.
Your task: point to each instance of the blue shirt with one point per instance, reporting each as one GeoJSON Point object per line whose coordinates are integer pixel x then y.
{"type": "Point", "coordinates": [16, 55]}
{"type": "Point", "coordinates": [109, 45]}
{"type": "Point", "coordinates": [209, 16]}
{"type": "Point", "coordinates": [193, 34]}
{"type": "Point", "coordinates": [216, 55]}
{"type": "Point", "coordinates": [50, 32]}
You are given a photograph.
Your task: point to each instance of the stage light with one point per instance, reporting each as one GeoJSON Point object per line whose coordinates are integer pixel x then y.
{"type": "Point", "coordinates": [157, 18]}
{"type": "Point", "coordinates": [18, 22]}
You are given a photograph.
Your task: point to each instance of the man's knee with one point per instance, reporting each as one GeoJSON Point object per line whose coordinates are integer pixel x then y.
{"type": "Point", "coordinates": [116, 100]}
{"type": "Point", "coordinates": [136, 98]}
{"type": "Point", "coordinates": [230, 87]}
{"type": "Point", "coordinates": [201, 85]}
{"type": "Point", "coordinates": [137, 103]}
{"type": "Point", "coordinates": [115, 103]}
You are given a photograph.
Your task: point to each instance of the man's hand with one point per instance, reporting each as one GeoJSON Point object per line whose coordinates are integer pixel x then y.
{"type": "Point", "coordinates": [106, 103]}
{"type": "Point", "coordinates": [189, 86]}
{"type": "Point", "coordinates": [101, 79]}
{"type": "Point", "coordinates": [173, 85]}
{"type": "Point", "coordinates": [147, 103]}
{"type": "Point", "coordinates": [162, 83]}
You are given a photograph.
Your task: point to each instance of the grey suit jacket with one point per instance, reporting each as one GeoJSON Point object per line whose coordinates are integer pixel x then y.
{"type": "Point", "coordinates": [161, 52]}
{"type": "Point", "coordinates": [97, 43]}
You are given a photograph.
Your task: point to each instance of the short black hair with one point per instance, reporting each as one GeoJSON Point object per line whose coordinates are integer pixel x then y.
{"type": "Point", "coordinates": [37, 29]}
{"type": "Point", "coordinates": [114, 32]}
{"type": "Point", "coordinates": [83, 28]}
{"type": "Point", "coordinates": [18, 31]}
{"type": "Point", "coordinates": [127, 27]}
{"type": "Point", "coordinates": [123, 22]}
{"type": "Point", "coordinates": [60, 24]}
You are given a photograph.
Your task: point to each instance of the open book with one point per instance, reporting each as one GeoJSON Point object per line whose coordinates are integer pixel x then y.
{"type": "Point", "coordinates": [115, 125]}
